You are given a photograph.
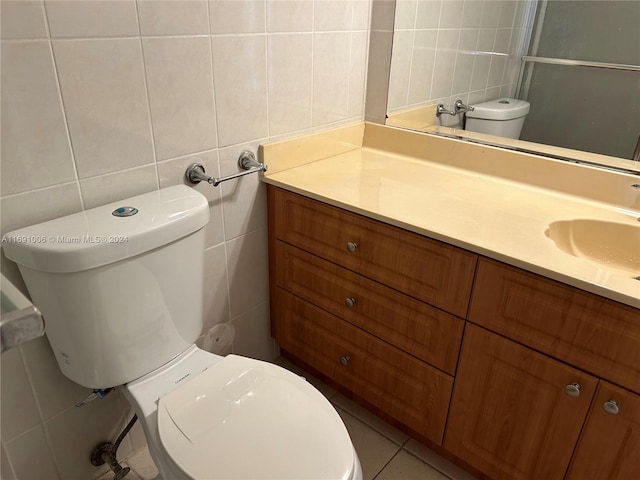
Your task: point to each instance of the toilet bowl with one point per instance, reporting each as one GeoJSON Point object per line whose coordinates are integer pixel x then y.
{"type": "Point", "coordinates": [121, 288]}
{"type": "Point", "coordinates": [213, 417]}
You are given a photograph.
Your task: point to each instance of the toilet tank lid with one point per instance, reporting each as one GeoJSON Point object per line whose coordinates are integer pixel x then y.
{"type": "Point", "coordinates": [98, 237]}
{"type": "Point", "coordinates": [500, 109]}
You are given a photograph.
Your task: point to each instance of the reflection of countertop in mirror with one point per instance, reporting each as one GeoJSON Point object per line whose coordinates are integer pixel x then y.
{"type": "Point", "coordinates": [423, 119]}
{"type": "Point", "coordinates": [491, 201]}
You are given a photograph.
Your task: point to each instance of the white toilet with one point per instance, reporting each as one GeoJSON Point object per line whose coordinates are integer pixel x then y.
{"type": "Point", "coordinates": [121, 289]}
{"type": "Point", "coordinates": [503, 117]}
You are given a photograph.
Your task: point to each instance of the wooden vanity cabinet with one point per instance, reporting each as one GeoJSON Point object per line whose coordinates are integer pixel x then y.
{"type": "Point", "coordinates": [609, 447]}
{"type": "Point", "coordinates": [373, 307]}
{"type": "Point", "coordinates": [511, 416]}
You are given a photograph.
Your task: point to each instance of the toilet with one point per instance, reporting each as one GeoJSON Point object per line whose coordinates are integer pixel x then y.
{"type": "Point", "coordinates": [503, 117]}
{"type": "Point", "coordinates": [121, 289]}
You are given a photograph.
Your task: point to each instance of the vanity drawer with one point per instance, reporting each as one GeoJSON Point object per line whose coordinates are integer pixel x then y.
{"type": "Point", "coordinates": [590, 332]}
{"type": "Point", "coordinates": [413, 326]}
{"type": "Point", "coordinates": [428, 270]}
{"type": "Point", "coordinates": [402, 386]}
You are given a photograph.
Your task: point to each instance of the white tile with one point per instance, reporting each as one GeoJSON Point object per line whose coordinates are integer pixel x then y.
{"type": "Point", "coordinates": [422, 66]}
{"type": "Point", "coordinates": [491, 14]}
{"type": "Point", "coordinates": [77, 431]}
{"type": "Point", "coordinates": [237, 16]}
{"type": "Point", "coordinates": [173, 17]}
{"type": "Point", "coordinates": [472, 14]}
{"type": "Point", "coordinates": [18, 411]}
{"type": "Point", "coordinates": [496, 71]}
{"type": "Point", "coordinates": [405, 17]}
{"type": "Point", "coordinates": [502, 41]}
{"type": "Point", "coordinates": [361, 13]}
{"type": "Point", "coordinates": [6, 472]}
{"type": "Point", "coordinates": [97, 191]}
{"type": "Point", "coordinates": [368, 418]}
{"type": "Point", "coordinates": [92, 18]}
{"type": "Point", "coordinates": [332, 15]}
{"type": "Point", "coordinates": [441, 464]}
{"type": "Point", "coordinates": [216, 288]}
{"type": "Point", "coordinates": [451, 14]}
{"type": "Point", "coordinates": [357, 74]}
{"type": "Point", "coordinates": [463, 72]}
{"type": "Point", "coordinates": [507, 13]}
{"type": "Point", "coordinates": [330, 77]}
{"type": "Point", "coordinates": [244, 200]}
{"type": "Point", "coordinates": [34, 137]}
{"type": "Point", "coordinates": [253, 333]}
{"type": "Point", "coordinates": [373, 449]}
{"type": "Point", "coordinates": [54, 391]}
{"type": "Point", "coordinates": [22, 19]}
{"type": "Point", "coordinates": [444, 63]}
{"type": "Point", "coordinates": [30, 456]}
{"type": "Point", "coordinates": [142, 464]}
{"type": "Point", "coordinates": [401, 69]}
{"type": "Point", "coordinates": [290, 86]}
{"type": "Point", "coordinates": [38, 206]}
{"type": "Point", "coordinates": [290, 16]}
{"type": "Point", "coordinates": [104, 96]}
{"type": "Point", "coordinates": [405, 466]}
{"type": "Point", "coordinates": [241, 99]}
{"type": "Point", "coordinates": [247, 260]}
{"type": "Point", "coordinates": [481, 66]}
{"type": "Point", "coordinates": [180, 85]}
{"type": "Point", "coordinates": [428, 14]}
{"type": "Point", "coordinates": [172, 172]}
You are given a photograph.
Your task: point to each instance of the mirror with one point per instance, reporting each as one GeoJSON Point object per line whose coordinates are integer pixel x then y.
{"type": "Point", "coordinates": [577, 63]}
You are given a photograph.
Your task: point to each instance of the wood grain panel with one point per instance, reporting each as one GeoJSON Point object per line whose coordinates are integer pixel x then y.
{"type": "Point", "coordinates": [585, 330]}
{"type": "Point", "coordinates": [413, 326]}
{"type": "Point", "coordinates": [428, 270]}
{"type": "Point", "coordinates": [609, 447]}
{"type": "Point", "coordinates": [407, 389]}
{"type": "Point", "coordinates": [510, 416]}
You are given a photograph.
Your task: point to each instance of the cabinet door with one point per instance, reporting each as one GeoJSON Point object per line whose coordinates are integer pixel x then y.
{"type": "Point", "coordinates": [512, 415]}
{"type": "Point", "coordinates": [609, 447]}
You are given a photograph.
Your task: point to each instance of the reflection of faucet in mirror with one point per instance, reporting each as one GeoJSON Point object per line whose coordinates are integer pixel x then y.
{"type": "Point", "coordinates": [557, 55]}
{"type": "Point", "coordinates": [458, 108]}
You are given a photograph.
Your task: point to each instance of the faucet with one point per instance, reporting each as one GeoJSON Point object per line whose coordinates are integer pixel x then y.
{"type": "Point", "coordinates": [459, 108]}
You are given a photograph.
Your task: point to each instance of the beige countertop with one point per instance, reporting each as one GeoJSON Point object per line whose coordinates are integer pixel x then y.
{"type": "Point", "coordinates": [495, 203]}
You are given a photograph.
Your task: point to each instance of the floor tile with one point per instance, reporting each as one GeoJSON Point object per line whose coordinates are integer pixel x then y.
{"type": "Point", "coordinates": [405, 466]}
{"type": "Point", "coordinates": [365, 416]}
{"type": "Point", "coordinates": [325, 389]}
{"type": "Point", "coordinates": [140, 461]}
{"type": "Point", "coordinates": [373, 449]}
{"type": "Point", "coordinates": [436, 461]}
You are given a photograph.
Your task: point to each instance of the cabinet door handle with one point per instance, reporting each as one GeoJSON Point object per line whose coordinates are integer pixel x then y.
{"type": "Point", "coordinates": [350, 302]}
{"type": "Point", "coordinates": [344, 360]}
{"type": "Point", "coordinates": [352, 246]}
{"type": "Point", "coordinates": [573, 389]}
{"type": "Point", "coordinates": [611, 407]}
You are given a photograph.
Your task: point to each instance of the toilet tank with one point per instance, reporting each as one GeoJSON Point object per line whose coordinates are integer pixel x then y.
{"type": "Point", "coordinates": [121, 295]}
{"type": "Point", "coordinates": [503, 117]}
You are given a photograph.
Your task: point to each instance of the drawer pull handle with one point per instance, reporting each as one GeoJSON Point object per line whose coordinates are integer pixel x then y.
{"type": "Point", "coordinates": [611, 407]}
{"type": "Point", "coordinates": [573, 389]}
{"type": "Point", "coordinates": [344, 360]}
{"type": "Point", "coordinates": [352, 246]}
{"type": "Point", "coordinates": [350, 302]}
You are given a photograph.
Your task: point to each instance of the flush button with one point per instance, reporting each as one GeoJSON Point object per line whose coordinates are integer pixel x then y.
{"type": "Point", "coordinates": [124, 211]}
{"type": "Point", "coordinates": [504, 101]}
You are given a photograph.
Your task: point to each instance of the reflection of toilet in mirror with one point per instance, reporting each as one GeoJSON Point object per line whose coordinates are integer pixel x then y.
{"type": "Point", "coordinates": [503, 117]}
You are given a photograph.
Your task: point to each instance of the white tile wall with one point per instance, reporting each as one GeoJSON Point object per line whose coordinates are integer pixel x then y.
{"type": "Point", "coordinates": [449, 49]}
{"type": "Point", "coordinates": [102, 100]}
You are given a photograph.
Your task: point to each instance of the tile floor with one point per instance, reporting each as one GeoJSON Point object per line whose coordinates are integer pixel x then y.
{"type": "Point", "coordinates": [385, 452]}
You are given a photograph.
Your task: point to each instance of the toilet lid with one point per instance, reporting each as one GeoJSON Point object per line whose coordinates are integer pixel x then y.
{"type": "Point", "coordinates": [247, 419]}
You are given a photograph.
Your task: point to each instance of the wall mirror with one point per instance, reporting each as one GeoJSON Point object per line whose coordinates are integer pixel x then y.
{"type": "Point", "coordinates": [577, 63]}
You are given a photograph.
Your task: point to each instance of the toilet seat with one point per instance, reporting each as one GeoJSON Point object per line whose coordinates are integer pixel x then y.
{"type": "Point", "coordinates": [247, 419]}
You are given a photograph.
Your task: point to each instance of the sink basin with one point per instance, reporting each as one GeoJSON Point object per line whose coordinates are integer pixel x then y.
{"type": "Point", "coordinates": [612, 245]}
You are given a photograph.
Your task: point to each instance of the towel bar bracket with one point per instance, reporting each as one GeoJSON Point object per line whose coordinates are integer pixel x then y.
{"type": "Point", "coordinates": [247, 162]}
